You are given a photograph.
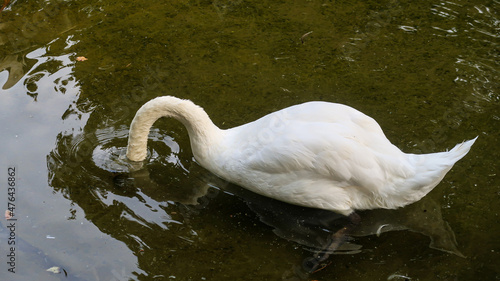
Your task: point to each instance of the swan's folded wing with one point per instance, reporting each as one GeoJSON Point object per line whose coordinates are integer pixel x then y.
{"type": "Point", "coordinates": [339, 153]}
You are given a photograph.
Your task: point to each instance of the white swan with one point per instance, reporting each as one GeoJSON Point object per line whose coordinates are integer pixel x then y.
{"type": "Point", "coordinates": [317, 154]}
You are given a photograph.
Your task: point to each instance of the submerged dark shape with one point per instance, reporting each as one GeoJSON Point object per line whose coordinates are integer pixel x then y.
{"type": "Point", "coordinates": [309, 227]}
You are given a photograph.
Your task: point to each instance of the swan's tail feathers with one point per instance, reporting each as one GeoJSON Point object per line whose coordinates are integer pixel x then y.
{"type": "Point", "coordinates": [460, 150]}
{"type": "Point", "coordinates": [442, 162]}
{"type": "Point", "coordinates": [431, 168]}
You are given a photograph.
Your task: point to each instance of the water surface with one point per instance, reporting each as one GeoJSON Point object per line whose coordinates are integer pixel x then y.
{"type": "Point", "coordinates": [427, 72]}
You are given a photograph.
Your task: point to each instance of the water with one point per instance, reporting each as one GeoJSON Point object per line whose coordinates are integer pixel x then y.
{"type": "Point", "coordinates": [427, 72]}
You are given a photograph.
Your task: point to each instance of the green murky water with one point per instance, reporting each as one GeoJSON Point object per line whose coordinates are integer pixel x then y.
{"type": "Point", "coordinates": [428, 72]}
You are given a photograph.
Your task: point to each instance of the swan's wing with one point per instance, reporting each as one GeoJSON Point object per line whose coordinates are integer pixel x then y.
{"type": "Point", "coordinates": [345, 146]}
{"type": "Point", "coordinates": [319, 152]}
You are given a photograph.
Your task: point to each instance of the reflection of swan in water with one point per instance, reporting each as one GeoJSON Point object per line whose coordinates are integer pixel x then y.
{"type": "Point", "coordinates": [193, 192]}
{"type": "Point", "coordinates": [306, 226]}
{"type": "Point", "coordinates": [311, 227]}
{"type": "Point", "coordinates": [317, 154]}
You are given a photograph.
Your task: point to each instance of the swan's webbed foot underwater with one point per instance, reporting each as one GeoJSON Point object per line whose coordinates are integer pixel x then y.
{"type": "Point", "coordinates": [316, 262]}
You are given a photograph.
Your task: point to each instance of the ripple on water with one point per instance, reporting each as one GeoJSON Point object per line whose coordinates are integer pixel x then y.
{"type": "Point", "coordinates": [110, 151]}
{"type": "Point", "coordinates": [111, 148]}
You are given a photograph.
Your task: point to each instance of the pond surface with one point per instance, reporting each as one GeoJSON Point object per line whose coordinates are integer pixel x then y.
{"type": "Point", "coordinates": [73, 74]}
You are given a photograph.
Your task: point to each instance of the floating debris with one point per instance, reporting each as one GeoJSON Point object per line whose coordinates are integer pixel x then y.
{"type": "Point", "coordinates": [398, 276]}
{"type": "Point", "coordinates": [5, 4]}
{"type": "Point", "coordinates": [304, 36]}
{"type": "Point", "coordinates": [379, 230]}
{"type": "Point", "coordinates": [408, 28]}
{"type": "Point", "coordinates": [57, 270]}
{"type": "Point", "coordinates": [54, 269]}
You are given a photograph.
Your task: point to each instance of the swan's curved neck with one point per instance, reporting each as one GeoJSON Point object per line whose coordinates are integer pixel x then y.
{"type": "Point", "coordinates": [203, 134]}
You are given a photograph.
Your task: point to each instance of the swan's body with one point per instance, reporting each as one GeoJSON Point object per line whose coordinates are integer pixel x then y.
{"type": "Point", "coordinates": [317, 154]}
